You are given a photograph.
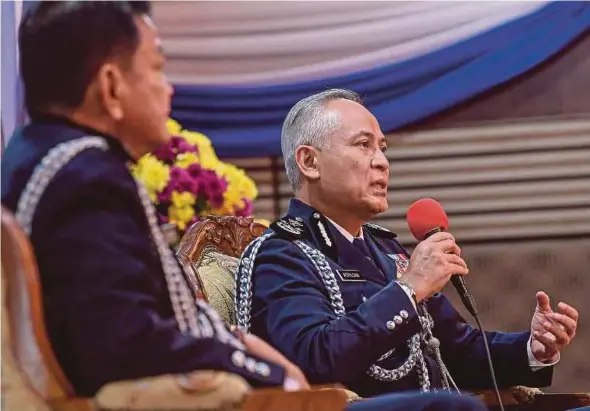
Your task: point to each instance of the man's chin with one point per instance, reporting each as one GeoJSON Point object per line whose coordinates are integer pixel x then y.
{"type": "Point", "coordinates": [165, 137]}
{"type": "Point", "coordinates": [377, 207]}
{"type": "Point", "coordinates": [160, 140]}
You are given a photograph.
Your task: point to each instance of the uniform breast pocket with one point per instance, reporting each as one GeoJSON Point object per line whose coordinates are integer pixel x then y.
{"type": "Point", "coordinates": [352, 294]}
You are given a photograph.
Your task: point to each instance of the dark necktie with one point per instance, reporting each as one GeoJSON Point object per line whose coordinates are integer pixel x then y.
{"type": "Point", "coordinates": [363, 247]}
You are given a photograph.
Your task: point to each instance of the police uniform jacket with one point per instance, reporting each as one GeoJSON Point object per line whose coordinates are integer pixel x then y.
{"type": "Point", "coordinates": [107, 305]}
{"type": "Point", "coordinates": [292, 308]}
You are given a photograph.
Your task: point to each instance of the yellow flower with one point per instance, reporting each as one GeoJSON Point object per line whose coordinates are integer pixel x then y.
{"type": "Point", "coordinates": [173, 127]}
{"type": "Point", "coordinates": [183, 199]}
{"type": "Point", "coordinates": [180, 216]}
{"type": "Point", "coordinates": [184, 160]}
{"type": "Point", "coordinates": [207, 156]}
{"type": "Point", "coordinates": [195, 138]}
{"type": "Point", "coordinates": [240, 187]}
{"type": "Point", "coordinates": [182, 210]}
{"type": "Point", "coordinates": [153, 173]}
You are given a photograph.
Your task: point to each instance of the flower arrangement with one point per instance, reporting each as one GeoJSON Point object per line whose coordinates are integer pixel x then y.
{"type": "Point", "coordinates": [187, 181]}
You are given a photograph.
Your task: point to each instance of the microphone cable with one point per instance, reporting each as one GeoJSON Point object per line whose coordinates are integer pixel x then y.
{"type": "Point", "coordinates": [425, 217]}
{"type": "Point", "coordinates": [475, 315]}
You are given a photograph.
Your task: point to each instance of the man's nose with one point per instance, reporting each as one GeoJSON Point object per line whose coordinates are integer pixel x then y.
{"type": "Point", "coordinates": [380, 161]}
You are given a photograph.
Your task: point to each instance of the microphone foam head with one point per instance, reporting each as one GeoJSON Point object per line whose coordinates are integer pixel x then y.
{"type": "Point", "coordinates": [424, 216]}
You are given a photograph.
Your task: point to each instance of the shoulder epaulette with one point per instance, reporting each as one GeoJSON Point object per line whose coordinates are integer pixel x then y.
{"type": "Point", "coordinates": [379, 231]}
{"type": "Point", "coordinates": [292, 228]}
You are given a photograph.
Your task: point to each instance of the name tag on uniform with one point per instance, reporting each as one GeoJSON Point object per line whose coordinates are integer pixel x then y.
{"type": "Point", "coordinates": [350, 275]}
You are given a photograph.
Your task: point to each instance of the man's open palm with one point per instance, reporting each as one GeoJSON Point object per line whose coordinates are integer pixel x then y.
{"type": "Point", "coordinates": [551, 331]}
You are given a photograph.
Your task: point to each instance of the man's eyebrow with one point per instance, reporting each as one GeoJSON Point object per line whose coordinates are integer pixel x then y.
{"type": "Point", "coordinates": [366, 133]}
{"type": "Point", "coordinates": [362, 133]}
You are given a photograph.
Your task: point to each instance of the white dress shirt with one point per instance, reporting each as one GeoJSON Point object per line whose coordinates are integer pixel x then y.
{"type": "Point", "coordinates": [533, 362]}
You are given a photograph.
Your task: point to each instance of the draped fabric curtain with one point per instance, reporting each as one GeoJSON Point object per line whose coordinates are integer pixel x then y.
{"type": "Point", "coordinates": [13, 114]}
{"type": "Point", "coordinates": [258, 42]}
{"type": "Point", "coordinates": [239, 66]}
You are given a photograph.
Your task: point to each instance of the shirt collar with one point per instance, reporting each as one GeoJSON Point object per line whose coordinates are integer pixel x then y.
{"type": "Point", "coordinates": [345, 233]}
{"type": "Point", "coordinates": [113, 143]}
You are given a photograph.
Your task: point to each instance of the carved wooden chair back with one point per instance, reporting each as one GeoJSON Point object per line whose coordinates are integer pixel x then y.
{"type": "Point", "coordinates": [228, 235]}
{"type": "Point", "coordinates": [23, 302]}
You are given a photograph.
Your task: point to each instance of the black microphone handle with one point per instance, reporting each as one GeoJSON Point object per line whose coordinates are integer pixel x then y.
{"type": "Point", "coordinates": [459, 283]}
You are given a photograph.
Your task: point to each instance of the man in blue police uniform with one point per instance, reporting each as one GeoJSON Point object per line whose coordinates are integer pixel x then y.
{"type": "Point", "coordinates": [116, 302]}
{"type": "Point", "coordinates": [342, 298]}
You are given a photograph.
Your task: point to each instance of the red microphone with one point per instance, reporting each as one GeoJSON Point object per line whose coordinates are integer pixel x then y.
{"type": "Point", "coordinates": [426, 217]}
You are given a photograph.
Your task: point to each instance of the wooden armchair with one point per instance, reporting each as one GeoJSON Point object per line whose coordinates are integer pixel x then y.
{"type": "Point", "coordinates": [211, 249]}
{"type": "Point", "coordinates": [34, 380]}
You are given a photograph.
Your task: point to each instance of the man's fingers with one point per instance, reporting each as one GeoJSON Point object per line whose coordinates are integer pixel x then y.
{"type": "Point", "coordinates": [460, 270]}
{"type": "Point", "coordinates": [543, 303]}
{"type": "Point", "coordinates": [442, 236]}
{"type": "Point", "coordinates": [445, 242]}
{"type": "Point", "coordinates": [457, 265]}
{"type": "Point", "coordinates": [561, 336]}
{"type": "Point", "coordinates": [568, 310]}
{"type": "Point", "coordinates": [547, 339]}
{"type": "Point", "coordinates": [454, 259]}
{"type": "Point", "coordinates": [568, 323]}
{"type": "Point", "coordinates": [448, 247]}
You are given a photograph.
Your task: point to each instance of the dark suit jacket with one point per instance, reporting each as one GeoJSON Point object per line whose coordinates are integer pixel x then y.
{"type": "Point", "coordinates": [292, 311]}
{"type": "Point", "coordinates": [106, 302]}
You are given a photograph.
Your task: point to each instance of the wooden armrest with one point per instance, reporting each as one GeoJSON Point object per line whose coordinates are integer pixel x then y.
{"type": "Point", "coordinates": [510, 396]}
{"type": "Point", "coordinates": [350, 396]}
{"type": "Point", "coordinates": [199, 390]}
{"type": "Point", "coordinates": [213, 390]}
{"type": "Point", "coordinates": [540, 401]}
{"type": "Point", "coordinates": [561, 401]}
{"type": "Point", "coordinates": [316, 399]}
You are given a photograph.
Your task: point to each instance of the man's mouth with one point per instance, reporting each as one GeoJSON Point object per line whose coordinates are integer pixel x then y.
{"type": "Point", "coordinates": [381, 185]}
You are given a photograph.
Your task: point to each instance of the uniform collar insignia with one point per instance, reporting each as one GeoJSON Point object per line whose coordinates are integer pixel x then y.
{"type": "Point", "coordinates": [320, 225]}
{"type": "Point", "coordinates": [379, 231]}
{"type": "Point", "coordinates": [289, 227]}
{"type": "Point", "coordinates": [314, 227]}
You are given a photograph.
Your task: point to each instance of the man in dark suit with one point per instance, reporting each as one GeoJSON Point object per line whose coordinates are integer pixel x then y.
{"type": "Point", "coordinates": [116, 301]}
{"type": "Point", "coordinates": [342, 298]}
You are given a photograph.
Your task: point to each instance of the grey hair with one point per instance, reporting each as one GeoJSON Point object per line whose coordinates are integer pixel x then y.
{"type": "Point", "coordinates": [308, 123]}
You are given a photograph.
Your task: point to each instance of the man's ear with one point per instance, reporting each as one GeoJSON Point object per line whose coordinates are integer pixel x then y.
{"type": "Point", "coordinates": [307, 160]}
{"type": "Point", "coordinates": [111, 90]}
